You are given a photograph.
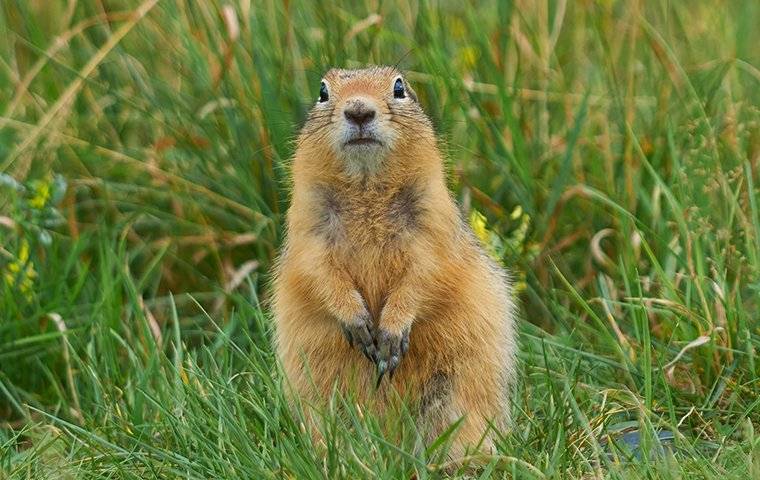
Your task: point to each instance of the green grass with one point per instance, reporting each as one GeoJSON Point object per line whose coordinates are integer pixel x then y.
{"type": "Point", "coordinates": [153, 149]}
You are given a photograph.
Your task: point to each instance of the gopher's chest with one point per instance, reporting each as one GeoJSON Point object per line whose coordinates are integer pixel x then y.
{"type": "Point", "coordinates": [360, 222]}
{"type": "Point", "coordinates": [370, 235]}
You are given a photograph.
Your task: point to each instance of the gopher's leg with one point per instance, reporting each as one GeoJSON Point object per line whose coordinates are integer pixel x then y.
{"type": "Point", "coordinates": [323, 377]}
{"type": "Point", "coordinates": [479, 395]}
{"type": "Point", "coordinates": [473, 393]}
{"type": "Point", "coordinates": [321, 367]}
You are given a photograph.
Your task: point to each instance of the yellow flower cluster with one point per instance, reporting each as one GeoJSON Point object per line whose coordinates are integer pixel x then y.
{"type": "Point", "coordinates": [20, 272]}
{"type": "Point", "coordinates": [515, 243]}
{"type": "Point", "coordinates": [42, 193]}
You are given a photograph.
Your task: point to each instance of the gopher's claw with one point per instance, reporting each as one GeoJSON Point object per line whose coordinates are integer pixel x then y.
{"type": "Point", "coordinates": [390, 349]}
{"type": "Point", "coordinates": [359, 336]}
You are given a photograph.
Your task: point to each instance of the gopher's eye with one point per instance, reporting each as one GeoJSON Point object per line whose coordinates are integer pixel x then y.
{"type": "Point", "coordinates": [323, 94]}
{"type": "Point", "coordinates": [398, 89]}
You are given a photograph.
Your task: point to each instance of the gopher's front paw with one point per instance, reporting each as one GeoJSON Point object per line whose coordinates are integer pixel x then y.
{"type": "Point", "coordinates": [358, 332]}
{"type": "Point", "coordinates": [391, 347]}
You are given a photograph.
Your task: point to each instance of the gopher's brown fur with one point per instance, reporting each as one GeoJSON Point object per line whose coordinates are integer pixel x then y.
{"type": "Point", "coordinates": [379, 274]}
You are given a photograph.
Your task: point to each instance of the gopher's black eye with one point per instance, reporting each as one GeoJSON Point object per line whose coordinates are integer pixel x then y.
{"type": "Point", "coordinates": [323, 95]}
{"type": "Point", "coordinates": [398, 89]}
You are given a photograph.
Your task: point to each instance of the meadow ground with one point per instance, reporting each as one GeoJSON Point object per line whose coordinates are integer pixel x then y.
{"type": "Point", "coordinates": [607, 151]}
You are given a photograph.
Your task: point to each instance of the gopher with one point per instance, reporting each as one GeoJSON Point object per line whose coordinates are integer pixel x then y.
{"type": "Point", "coordinates": [381, 286]}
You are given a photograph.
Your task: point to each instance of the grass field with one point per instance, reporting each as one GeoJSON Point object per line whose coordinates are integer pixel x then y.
{"type": "Point", "coordinates": [608, 152]}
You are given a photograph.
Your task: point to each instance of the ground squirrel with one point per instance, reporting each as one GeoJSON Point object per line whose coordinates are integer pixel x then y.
{"type": "Point", "coordinates": [380, 281]}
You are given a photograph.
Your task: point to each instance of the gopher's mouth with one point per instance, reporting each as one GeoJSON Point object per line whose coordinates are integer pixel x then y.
{"type": "Point", "coordinates": [362, 141]}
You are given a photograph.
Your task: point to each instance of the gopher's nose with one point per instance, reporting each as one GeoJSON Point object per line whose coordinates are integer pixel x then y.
{"type": "Point", "coordinates": [359, 113]}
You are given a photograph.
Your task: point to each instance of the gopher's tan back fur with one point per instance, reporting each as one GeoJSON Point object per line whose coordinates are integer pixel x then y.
{"type": "Point", "coordinates": [379, 276]}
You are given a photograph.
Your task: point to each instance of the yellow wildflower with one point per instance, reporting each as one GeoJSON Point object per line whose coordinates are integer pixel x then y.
{"type": "Point", "coordinates": [41, 194]}
{"type": "Point", "coordinates": [478, 224]}
{"type": "Point", "coordinates": [20, 272]}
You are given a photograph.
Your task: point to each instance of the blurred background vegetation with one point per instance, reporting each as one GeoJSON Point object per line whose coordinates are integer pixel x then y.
{"type": "Point", "coordinates": [606, 151]}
